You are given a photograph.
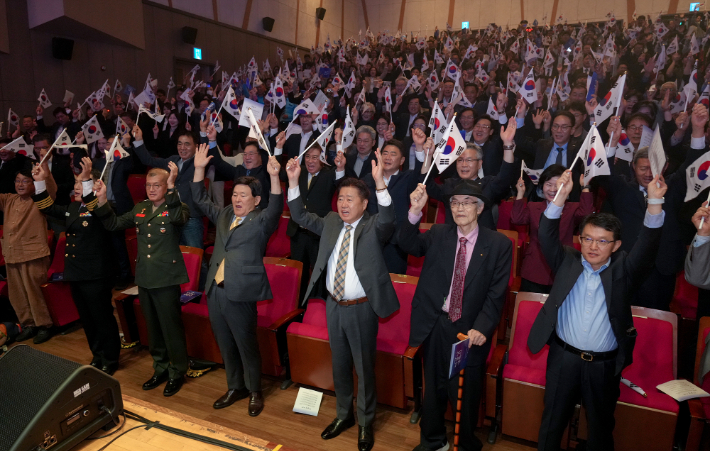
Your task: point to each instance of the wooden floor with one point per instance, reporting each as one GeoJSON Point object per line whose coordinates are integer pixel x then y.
{"type": "Point", "coordinates": [277, 423]}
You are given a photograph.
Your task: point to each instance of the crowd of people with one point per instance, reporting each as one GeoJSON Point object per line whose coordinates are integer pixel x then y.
{"type": "Point", "coordinates": [369, 121]}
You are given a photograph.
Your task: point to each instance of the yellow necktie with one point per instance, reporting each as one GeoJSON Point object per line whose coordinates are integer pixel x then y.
{"type": "Point", "coordinates": [310, 177]}
{"type": "Point", "coordinates": [219, 277]}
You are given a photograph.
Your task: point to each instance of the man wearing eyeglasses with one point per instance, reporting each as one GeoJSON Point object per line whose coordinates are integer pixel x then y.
{"type": "Point", "coordinates": [494, 187]}
{"type": "Point", "coordinates": [462, 289]}
{"type": "Point", "coordinates": [587, 318]}
{"type": "Point", "coordinates": [160, 269]}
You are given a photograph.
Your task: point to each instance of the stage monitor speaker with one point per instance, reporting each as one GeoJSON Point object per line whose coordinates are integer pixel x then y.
{"type": "Point", "coordinates": [62, 48]}
{"type": "Point", "coordinates": [52, 403]}
{"type": "Point", "coordinates": [189, 35]}
{"type": "Point", "coordinates": [320, 13]}
{"type": "Point", "coordinates": [268, 23]}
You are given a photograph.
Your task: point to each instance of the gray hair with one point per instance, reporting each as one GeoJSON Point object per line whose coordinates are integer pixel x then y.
{"type": "Point", "coordinates": [367, 129]}
{"type": "Point", "coordinates": [476, 148]}
{"type": "Point", "coordinates": [641, 153]}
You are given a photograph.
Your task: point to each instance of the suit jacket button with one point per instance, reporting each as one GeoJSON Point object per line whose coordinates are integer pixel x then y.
{"type": "Point", "coordinates": [148, 255]}
{"type": "Point", "coordinates": [173, 261]}
{"type": "Point", "coordinates": [73, 256]}
{"type": "Point", "coordinates": [149, 235]}
{"type": "Point", "coordinates": [149, 246]}
{"type": "Point", "coordinates": [66, 255]}
{"type": "Point", "coordinates": [148, 225]}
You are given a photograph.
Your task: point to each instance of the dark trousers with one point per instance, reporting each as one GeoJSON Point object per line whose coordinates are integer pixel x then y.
{"type": "Point", "coordinates": [234, 327]}
{"type": "Point", "coordinates": [304, 248]}
{"type": "Point", "coordinates": [352, 332]}
{"type": "Point", "coordinates": [440, 390]}
{"type": "Point", "coordinates": [93, 302]}
{"type": "Point", "coordinates": [395, 258]}
{"type": "Point", "coordinates": [118, 240]}
{"type": "Point", "coordinates": [656, 291]}
{"type": "Point", "coordinates": [166, 333]}
{"type": "Point", "coordinates": [569, 380]}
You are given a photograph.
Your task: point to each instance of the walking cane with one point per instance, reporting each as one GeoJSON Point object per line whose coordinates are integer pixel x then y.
{"type": "Point", "coordinates": [459, 400]}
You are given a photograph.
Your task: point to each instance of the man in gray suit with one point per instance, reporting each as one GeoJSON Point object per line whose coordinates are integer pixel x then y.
{"type": "Point", "coordinates": [351, 274]}
{"type": "Point", "coordinates": [236, 279]}
{"type": "Point", "coordinates": [697, 271]}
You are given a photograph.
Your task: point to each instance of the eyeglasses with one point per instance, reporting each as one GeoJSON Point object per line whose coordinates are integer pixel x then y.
{"type": "Point", "coordinates": [154, 186]}
{"type": "Point", "coordinates": [481, 127]}
{"type": "Point", "coordinates": [419, 126]}
{"type": "Point", "coordinates": [634, 128]}
{"type": "Point", "coordinates": [315, 157]}
{"type": "Point", "coordinates": [558, 127]}
{"type": "Point", "coordinates": [469, 160]}
{"type": "Point", "coordinates": [456, 204]}
{"type": "Point", "coordinates": [23, 182]}
{"type": "Point", "coordinates": [603, 244]}
{"type": "Point", "coordinates": [364, 141]}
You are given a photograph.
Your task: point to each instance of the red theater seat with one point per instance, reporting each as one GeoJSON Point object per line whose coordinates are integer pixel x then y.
{"type": "Point", "coordinates": [279, 244]}
{"type": "Point", "coordinates": [136, 185]}
{"type": "Point", "coordinates": [58, 294]}
{"type": "Point", "coordinates": [699, 432]}
{"type": "Point", "coordinates": [685, 298]}
{"type": "Point", "coordinates": [396, 362]}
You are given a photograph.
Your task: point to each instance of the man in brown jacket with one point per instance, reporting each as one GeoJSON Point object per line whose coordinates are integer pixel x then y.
{"type": "Point", "coordinates": [24, 246]}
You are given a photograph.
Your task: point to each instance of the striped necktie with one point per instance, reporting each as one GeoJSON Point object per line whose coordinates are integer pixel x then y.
{"type": "Point", "coordinates": [342, 265]}
{"type": "Point", "coordinates": [219, 277]}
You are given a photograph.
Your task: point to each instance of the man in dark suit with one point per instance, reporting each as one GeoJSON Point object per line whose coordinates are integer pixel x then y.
{"type": "Point", "coordinates": [296, 143]}
{"type": "Point", "coordinates": [587, 318]}
{"type": "Point", "coordinates": [193, 230]}
{"type": "Point", "coordinates": [88, 265]}
{"type": "Point", "coordinates": [491, 145]}
{"type": "Point", "coordinates": [351, 275]}
{"type": "Point", "coordinates": [403, 119]}
{"type": "Point", "coordinates": [468, 267]}
{"type": "Point", "coordinates": [494, 187]}
{"type": "Point", "coordinates": [160, 270]}
{"type": "Point", "coordinates": [236, 279]}
{"type": "Point", "coordinates": [358, 163]}
{"type": "Point", "coordinates": [63, 122]}
{"type": "Point", "coordinates": [626, 199]}
{"type": "Point", "coordinates": [400, 183]}
{"type": "Point", "coordinates": [251, 167]}
{"type": "Point", "coordinates": [120, 199]}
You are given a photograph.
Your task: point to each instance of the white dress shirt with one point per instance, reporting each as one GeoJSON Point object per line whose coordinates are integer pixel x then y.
{"type": "Point", "coordinates": [305, 136]}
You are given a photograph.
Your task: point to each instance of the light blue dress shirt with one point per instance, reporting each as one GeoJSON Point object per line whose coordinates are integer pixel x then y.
{"type": "Point", "coordinates": [552, 158]}
{"type": "Point", "coordinates": [583, 319]}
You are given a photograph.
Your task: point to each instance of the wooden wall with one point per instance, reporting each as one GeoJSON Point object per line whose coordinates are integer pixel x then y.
{"type": "Point", "coordinates": [29, 67]}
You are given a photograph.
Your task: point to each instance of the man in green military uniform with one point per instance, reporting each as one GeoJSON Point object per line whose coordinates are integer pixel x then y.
{"type": "Point", "coordinates": [160, 269]}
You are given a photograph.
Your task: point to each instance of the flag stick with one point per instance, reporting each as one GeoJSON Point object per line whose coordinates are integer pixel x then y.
{"type": "Point", "coordinates": [218, 111]}
{"type": "Point", "coordinates": [436, 152]}
{"type": "Point", "coordinates": [110, 152]}
{"type": "Point", "coordinates": [571, 166]}
{"type": "Point", "coordinates": [702, 220]}
{"type": "Point", "coordinates": [50, 149]}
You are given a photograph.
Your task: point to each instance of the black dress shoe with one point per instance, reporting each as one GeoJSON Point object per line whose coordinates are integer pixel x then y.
{"type": "Point", "coordinates": [96, 362]}
{"type": "Point", "coordinates": [256, 403]}
{"type": "Point", "coordinates": [365, 438]}
{"type": "Point", "coordinates": [230, 398]}
{"type": "Point", "coordinates": [336, 427]}
{"type": "Point", "coordinates": [27, 333]}
{"type": "Point", "coordinates": [43, 334]}
{"type": "Point", "coordinates": [155, 381]}
{"type": "Point", "coordinates": [110, 369]}
{"type": "Point", "coordinates": [173, 386]}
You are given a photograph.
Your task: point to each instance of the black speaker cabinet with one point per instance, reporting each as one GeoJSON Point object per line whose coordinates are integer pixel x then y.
{"type": "Point", "coordinates": [320, 13]}
{"type": "Point", "coordinates": [268, 23]}
{"type": "Point", "coordinates": [62, 48]}
{"type": "Point", "coordinates": [189, 35]}
{"type": "Point", "coordinates": [49, 402]}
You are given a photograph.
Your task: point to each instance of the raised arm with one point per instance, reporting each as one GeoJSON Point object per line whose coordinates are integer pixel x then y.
{"type": "Point", "coordinates": [98, 205]}
{"type": "Point", "coordinates": [142, 153]}
{"type": "Point", "coordinates": [272, 213]}
{"type": "Point", "coordinates": [222, 167]}
{"type": "Point", "coordinates": [410, 239]}
{"type": "Point", "coordinates": [178, 212]}
{"type": "Point", "coordinates": [385, 217]}
{"type": "Point", "coordinates": [549, 230]}
{"type": "Point", "coordinates": [310, 221]}
{"type": "Point", "coordinates": [197, 187]}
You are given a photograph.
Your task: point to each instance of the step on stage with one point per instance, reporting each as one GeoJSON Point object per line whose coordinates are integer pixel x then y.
{"type": "Point", "coordinates": [154, 439]}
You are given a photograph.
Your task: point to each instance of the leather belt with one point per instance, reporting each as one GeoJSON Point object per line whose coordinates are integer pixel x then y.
{"type": "Point", "coordinates": [587, 356]}
{"type": "Point", "coordinates": [349, 302]}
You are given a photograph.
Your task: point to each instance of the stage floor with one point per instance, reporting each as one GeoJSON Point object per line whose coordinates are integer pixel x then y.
{"type": "Point", "coordinates": [277, 424]}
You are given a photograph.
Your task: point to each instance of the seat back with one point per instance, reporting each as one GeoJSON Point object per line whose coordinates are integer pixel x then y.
{"type": "Point", "coordinates": [440, 213]}
{"type": "Point", "coordinates": [505, 210]}
{"type": "Point", "coordinates": [577, 243]}
{"type": "Point", "coordinates": [396, 326]}
{"type": "Point", "coordinates": [527, 307]}
{"type": "Point", "coordinates": [685, 298]}
{"type": "Point", "coordinates": [136, 185]}
{"type": "Point", "coordinates": [57, 265]}
{"type": "Point", "coordinates": [279, 244]}
{"type": "Point", "coordinates": [315, 313]}
{"type": "Point", "coordinates": [285, 280]}
{"type": "Point", "coordinates": [414, 264]}
{"type": "Point", "coordinates": [656, 345]}
{"type": "Point", "coordinates": [193, 263]}
{"type": "Point", "coordinates": [703, 331]}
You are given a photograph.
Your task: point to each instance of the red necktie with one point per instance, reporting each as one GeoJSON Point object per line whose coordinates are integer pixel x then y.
{"type": "Point", "coordinates": [457, 287]}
